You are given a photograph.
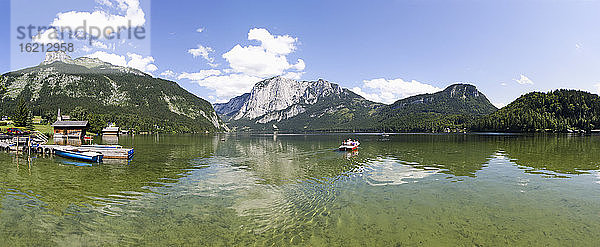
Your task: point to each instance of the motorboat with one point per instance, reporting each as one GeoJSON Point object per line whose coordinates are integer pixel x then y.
{"type": "Point", "coordinates": [349, 145]}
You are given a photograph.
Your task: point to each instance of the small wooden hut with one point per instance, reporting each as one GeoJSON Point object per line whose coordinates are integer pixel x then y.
{"type": "Point", "coordinates": [70, 129]}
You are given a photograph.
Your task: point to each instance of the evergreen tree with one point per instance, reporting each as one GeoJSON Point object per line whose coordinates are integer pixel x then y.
{"type": "Point", "coordinates": [3, 91]}
{"type": "Point", "coordinates": [558, 111]}
{"type": "Point", "coordinates": [96, 121]}
{"type": "Point", "coordinates": [22, 116]}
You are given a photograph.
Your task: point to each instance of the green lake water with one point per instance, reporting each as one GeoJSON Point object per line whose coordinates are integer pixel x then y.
{"type": "Point", "coordinates": [264, 190]}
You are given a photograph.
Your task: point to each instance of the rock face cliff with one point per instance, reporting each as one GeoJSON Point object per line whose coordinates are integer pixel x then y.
{"type": "Point", "coordinates": [58, 56]}
{"type": "Point", "coordinates": [123, 95]}
{"type": "Point", "coordinates": [321, 105]}
{"type": "Point", "coordinates": [232, 107]}
{"type": "Point", "coordinates": [296, 105]}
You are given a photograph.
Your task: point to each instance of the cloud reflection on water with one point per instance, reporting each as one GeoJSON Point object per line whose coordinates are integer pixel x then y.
{"type": "Point", "coordinates": [390, 171]}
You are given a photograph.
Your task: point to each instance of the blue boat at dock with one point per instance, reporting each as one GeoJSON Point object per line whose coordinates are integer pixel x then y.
{"type": "Point", "coordinates": [85, 156]}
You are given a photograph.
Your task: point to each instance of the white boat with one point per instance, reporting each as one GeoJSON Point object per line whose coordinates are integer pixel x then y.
{"type": "Point", "coordinates": [349, 145]}
{"type": "Point", "coordinates": [101, 146]}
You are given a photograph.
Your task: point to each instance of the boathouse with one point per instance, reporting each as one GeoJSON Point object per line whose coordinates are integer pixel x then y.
{"type": "Point", "coordinates": [70, 129]}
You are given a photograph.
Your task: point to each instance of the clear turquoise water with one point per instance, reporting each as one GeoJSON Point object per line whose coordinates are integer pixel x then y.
{"type": "Point", "coordinates": [406, 190]}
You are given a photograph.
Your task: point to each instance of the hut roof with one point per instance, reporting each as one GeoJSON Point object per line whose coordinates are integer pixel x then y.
{"type": "Point", "coordinates": [70, 124]}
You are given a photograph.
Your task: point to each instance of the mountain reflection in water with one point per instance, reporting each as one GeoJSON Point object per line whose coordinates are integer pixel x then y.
{"type": "Point", "coordinates": [413, 189]}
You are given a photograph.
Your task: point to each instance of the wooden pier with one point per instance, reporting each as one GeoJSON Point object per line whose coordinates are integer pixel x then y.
{"type": "Point", "coordinates": [16, 144]}
{"type": "Point", "coordinates": [115, 152]}
{"type": "Point", "coordinates": [5, 146]}
{"type": "Point", "coordinates": [108, 153]}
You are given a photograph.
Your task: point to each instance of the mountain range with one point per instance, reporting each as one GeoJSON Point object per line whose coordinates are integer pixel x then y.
{"type": "Point", "coordinates": [297, 105]}
{"type": "Point", "coordinates": [108, 93]}
{"type": "Point", "coordinates": [320, 105]}
{"type": "Point", "coordinates": [102, 93]}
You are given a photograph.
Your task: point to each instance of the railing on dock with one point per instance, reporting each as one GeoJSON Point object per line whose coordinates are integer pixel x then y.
{"type": "Point", "coordinates": [25, 145]}
{"type": "Point", "coordinates": [36, 142]}
{"type": "Point", "coordinates": [41, 138]}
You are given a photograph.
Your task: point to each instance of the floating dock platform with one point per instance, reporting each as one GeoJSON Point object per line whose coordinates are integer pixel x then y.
{"type": "Point", "coordinates": [109, 152]}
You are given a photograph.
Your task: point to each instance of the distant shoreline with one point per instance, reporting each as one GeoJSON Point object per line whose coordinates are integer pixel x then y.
{"type": "Point", "coordinates": [401, 133]}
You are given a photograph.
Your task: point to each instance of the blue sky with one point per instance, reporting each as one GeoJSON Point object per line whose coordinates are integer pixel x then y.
{"type": "Point", "coordinates": [385, 50]}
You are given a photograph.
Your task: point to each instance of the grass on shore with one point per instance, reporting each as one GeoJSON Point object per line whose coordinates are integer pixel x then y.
{"type": "Point", "coordinates": [46, 129]}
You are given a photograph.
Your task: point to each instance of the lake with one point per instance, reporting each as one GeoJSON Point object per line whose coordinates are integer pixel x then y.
{"type": "Point", "coordinates": [264, 190]}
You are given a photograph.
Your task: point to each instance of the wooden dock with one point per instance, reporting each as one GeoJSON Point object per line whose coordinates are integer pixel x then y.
{"type": "Point", "coordinates": [15, 144]}
{"type": "Point", "coordinates": [109, 153]}
{"type": "Point", "coordinates": [5, 146]}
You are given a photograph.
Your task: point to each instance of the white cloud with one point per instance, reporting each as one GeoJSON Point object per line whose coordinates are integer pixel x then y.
{"type": "Point", "coordinates": [105, 2]}
{"type": "Point", "coordinates": [139, 62]}
{"type": "Point", "coordinates": [255, 61]}
{"type": "Point", "coordinates": [199, 76]}
{"type": "Point", "coordinates": [247, 64]}
{"type": "Point", "coordinates": [293, 75]}
{"type": "Point", "coordinates": [136, 61]}
{"type": "Point", "coordinates": [134, 16]}
{"type": "Point", "coordinates": [228, 86]}
{"type": "Point", "coordinates": [597, 88]}
{"type": "Point", "coordinates": [503, 84]}
{"type": "Point", "coordinates": [524, 80]}
{"type": "Point", "coordinates": [268, 59]}
{"type": "Point", "coordinates": [111, 58]}
{"type": "Point", "coordinates": [499, 104]}
{"type": "Point", "coordinates": [389, 91]}
{"type": "Point", "coordinates": [277, 44]}
{"type": "Point", "coordinates": [200, 29]}
{"type": "Point", "coordinates": [168, 74]}
{"type": "Point", "coordinates": [47, 36]}
{"type": "Point", "coordinates": [299, 66]}
{"type": "Point", "coordinates": [371, 96]}
{"type": "Point", "coordinates": [99, 44]}
{"type": "Point", "coordinates": [85, 48]}
{"type": "Point", "coordinates": [203, 51]}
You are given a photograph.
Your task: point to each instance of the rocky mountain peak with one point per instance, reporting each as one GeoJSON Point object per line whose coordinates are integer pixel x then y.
{"type": "Point", "coordinates": [278, 98]}
{"type": "Point", "coordinates": [90, 60]}
{"type": "Point", "coordinates": [461, 90]}
{"type": "Point", "coordinates": [55, 56]}
{"type": "Point", "coordinates": [234, 105]}
{"type": "Point", "coordinates": [277, 81]}
{"type": "Point", "coordinates": [90, 63]}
